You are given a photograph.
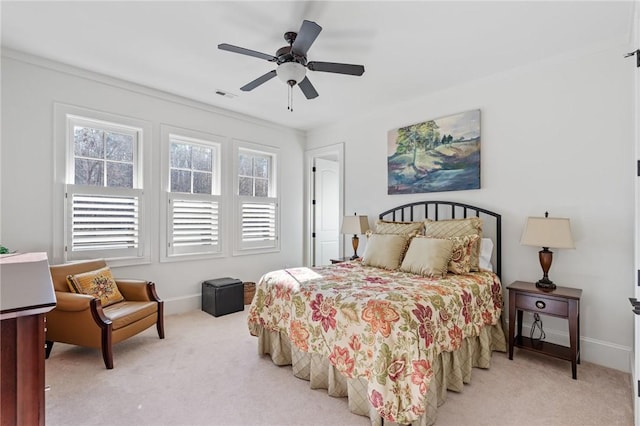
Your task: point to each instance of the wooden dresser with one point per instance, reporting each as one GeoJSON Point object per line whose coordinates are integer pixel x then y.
{"type": "Point", "coordinates": [26, 294]}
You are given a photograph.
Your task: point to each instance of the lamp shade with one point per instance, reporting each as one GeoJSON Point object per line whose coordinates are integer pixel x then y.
{"type": "Point", "coordinates": [291, 71]}
{"type": "Point", "coordinates": [355, 225]}
{"type": "Point", "coordinates": [550, 232]}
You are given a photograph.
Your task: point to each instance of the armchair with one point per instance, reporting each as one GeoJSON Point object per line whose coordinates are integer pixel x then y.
{"type": "Point", "coordinates": [80, 319]}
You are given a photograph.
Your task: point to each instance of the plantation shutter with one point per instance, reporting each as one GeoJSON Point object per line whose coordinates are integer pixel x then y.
{"type": "Point", "coordinates": [194, 224]}
{"type": "Point", "coordinates": [103, 222]}
{"type": "Point", "coordinates": [258, 222]}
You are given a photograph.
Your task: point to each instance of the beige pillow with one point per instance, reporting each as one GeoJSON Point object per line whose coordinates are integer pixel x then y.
{"type": "Point", "coordinates": [457, 228]}
{"type": "Point", "coordinates": [460, 262]}
{"type": "Point", "coordinates": [99, 284]}
{"type": "Point", "coordinates": [385, 250]}
{"type": "Point", "coordinates": [428, 256]}
{"type": "Point", "coordinates": [405, 228]}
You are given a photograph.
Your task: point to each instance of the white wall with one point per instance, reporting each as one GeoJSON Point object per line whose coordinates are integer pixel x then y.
{"type": "Point", "coordinates": [557, 137]}
{"type": "Point", "coordinates": [31, 201]}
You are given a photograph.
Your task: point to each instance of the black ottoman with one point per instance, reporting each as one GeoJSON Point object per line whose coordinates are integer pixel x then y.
{"type": "Point", "coordinates": [222, 296]}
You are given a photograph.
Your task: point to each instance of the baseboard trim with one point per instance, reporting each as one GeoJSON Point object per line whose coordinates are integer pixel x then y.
{"type": "Point", "coordinates": [182, 304]}
{"type": "Point", "coordinates": [599, 352]}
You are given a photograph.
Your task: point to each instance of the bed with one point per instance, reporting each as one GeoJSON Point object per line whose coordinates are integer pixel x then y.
{"type": "Point", "coordinates": [396, 329]}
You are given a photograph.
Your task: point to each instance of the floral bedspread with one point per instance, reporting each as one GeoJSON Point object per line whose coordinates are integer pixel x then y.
{"type": "Point", "coordinates": [384, 326]}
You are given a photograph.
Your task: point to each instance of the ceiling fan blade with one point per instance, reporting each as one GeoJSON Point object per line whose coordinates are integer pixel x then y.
{"type": "Point", "coordinates": [258, 81]}
{"type": "Point", "coordinates": [249, 52]}
{"type": "Point", "coordinates": [336, 68]}
{"type": "Point", "coordinates": [308, 89]}
{"type": "Point", "coordinates": [306, 36]}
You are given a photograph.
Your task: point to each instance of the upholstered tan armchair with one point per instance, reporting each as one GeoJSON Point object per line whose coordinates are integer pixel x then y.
{"type": "Point", "coordinates": [81, 319]}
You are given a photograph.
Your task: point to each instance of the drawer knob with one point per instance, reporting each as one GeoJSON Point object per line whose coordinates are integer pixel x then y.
{"type": "Point", "coordinates": [540, 304]}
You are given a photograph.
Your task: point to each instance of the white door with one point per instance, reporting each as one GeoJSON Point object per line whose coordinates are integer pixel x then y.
{"type": "Point", "coordinates": [327, 211]}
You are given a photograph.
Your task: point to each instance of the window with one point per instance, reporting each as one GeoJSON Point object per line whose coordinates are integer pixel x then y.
{"type": "Point", "coordinates": [257, 202]}
{"type": "Point", "coordinates": [192, 172]}
{"type": "Point", "coordinates": [104, 198]}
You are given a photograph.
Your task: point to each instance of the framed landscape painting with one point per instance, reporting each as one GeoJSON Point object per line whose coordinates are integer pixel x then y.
{"type": "Point", "coordinates": [436, 155]}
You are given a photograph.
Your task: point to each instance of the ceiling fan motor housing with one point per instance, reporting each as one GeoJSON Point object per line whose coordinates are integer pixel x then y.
{"type": "Point", "coordinates": [284, 54]}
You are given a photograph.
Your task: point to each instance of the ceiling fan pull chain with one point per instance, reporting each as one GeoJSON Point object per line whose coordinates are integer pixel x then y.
{"type": "Point", "coordinates": [290, 98]}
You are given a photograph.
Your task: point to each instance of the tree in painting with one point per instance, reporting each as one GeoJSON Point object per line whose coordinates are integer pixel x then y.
{"type": "Point", "coordinates": [435, 155]}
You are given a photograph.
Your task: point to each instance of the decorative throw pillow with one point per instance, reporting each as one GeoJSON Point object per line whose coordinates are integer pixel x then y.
{"type": "Point", "coordinates": [99, 284]}
{"type": "Point", "coordinates": [460, 262]}
{"type": "Point", "coordinates": [457, 228]}
{"type": "Point", "coordinates": [428, 257]}
{"type": "Point", "coordinates": [405, 228]}
{"type": "Point", "coordinates": [385, 251]}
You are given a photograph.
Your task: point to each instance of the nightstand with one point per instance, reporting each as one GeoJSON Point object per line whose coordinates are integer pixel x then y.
{"type": "Point", "coordinates": [562, 302]}
{"type": "Point", "coordinates": [340, 260]}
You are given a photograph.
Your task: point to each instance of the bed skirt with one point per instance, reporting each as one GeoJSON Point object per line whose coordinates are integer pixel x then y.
{"type": "Point", "coordinates": [451, 370]}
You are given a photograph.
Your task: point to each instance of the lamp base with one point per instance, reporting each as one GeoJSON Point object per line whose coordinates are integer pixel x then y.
{"type": "Point", "coordinates": [354, 243]}
{"type": "Point", "coordinates": [545, 284]}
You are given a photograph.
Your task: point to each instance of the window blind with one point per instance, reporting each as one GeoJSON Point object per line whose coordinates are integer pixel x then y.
{"type": "Point", "coordinates": [194, 225]}
{"type": "Point", "coordinates": [104, 221]}
{"type": "Point", "coordinates": [259, 222]}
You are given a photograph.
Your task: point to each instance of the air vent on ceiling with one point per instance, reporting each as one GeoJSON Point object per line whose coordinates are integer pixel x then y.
{"type": "Point", "coordinates": [225, 94]}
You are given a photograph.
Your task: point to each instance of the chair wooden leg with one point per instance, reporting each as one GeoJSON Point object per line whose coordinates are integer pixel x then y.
{"type": "Point", "coordinates": [105, 325]}
{"type": "Point", "coordinates": [49, 346]}
{"type": "Point", "coordinates": [107, 351]}
{"type": "Point", "coordinates": [107, 356]}
{"type": "Point", "coordinates": [160, 321]}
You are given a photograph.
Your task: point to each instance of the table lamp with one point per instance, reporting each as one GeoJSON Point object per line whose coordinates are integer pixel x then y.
{"type": "Point", "coordinates": [355, 225]}
{"type": "Point", "coordinates": [546, 232]}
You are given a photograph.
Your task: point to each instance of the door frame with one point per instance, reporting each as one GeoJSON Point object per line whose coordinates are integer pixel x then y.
{"type": "Point", "coordinates": [336, 151]}
{"type": "Point", "coordinates": [635, 364]}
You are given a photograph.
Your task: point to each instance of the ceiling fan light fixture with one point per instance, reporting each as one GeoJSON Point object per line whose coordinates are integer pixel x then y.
{"type": "Point", "coordinates": [291, 71]}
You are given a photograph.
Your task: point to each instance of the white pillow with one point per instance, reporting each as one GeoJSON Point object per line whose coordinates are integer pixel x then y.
{"type": "Point", "coordinates": [486, 250]}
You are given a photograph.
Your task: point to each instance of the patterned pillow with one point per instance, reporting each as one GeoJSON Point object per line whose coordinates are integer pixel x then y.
{"type": "Point", "coordinates": [428, 257]}
{"type": "Point", "coordinates": [405, 228]}
{"type": "Point", "coordinates": [457, 228]}
{"type": "Point", "coordinates": [385, 251]}
{"type": "Point", "coordinates": [99, 284]}
{"type": "Point", "coordinates": [460, 262]}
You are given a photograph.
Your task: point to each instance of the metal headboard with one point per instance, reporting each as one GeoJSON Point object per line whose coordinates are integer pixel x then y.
{"type": "Point", "coordinates": [440, 210]}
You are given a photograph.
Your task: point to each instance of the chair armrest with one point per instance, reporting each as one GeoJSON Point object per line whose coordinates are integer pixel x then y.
{"type": "Point", "coordinates": [137, 290]}
{"type": "Point", "coordinates": [72, 302]}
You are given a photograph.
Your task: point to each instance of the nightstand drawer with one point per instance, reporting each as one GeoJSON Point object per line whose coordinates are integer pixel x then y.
{"type": "Point", "coordinates": [534, 303]}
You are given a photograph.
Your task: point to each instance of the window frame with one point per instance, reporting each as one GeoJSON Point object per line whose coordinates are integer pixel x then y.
{"type": "Point", "coordinates": [136, 133]}
{"type": "Point", "coordinates": [243, 247]}
{"type": "Point", "coordinates": [168, 251]}
{"type": "Point", "coordinates": [66, 117]}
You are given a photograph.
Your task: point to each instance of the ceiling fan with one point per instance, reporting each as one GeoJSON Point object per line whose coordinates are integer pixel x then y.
{"type": "Point", "coordinates": [292, 61]}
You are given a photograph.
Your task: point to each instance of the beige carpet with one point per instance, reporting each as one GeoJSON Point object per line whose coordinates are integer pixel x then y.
{"type": "Point", "coordinates": [207, 372]}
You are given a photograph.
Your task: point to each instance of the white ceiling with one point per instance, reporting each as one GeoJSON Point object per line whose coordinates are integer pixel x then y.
{"type": "Point", "coordinates": [406, 47]}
